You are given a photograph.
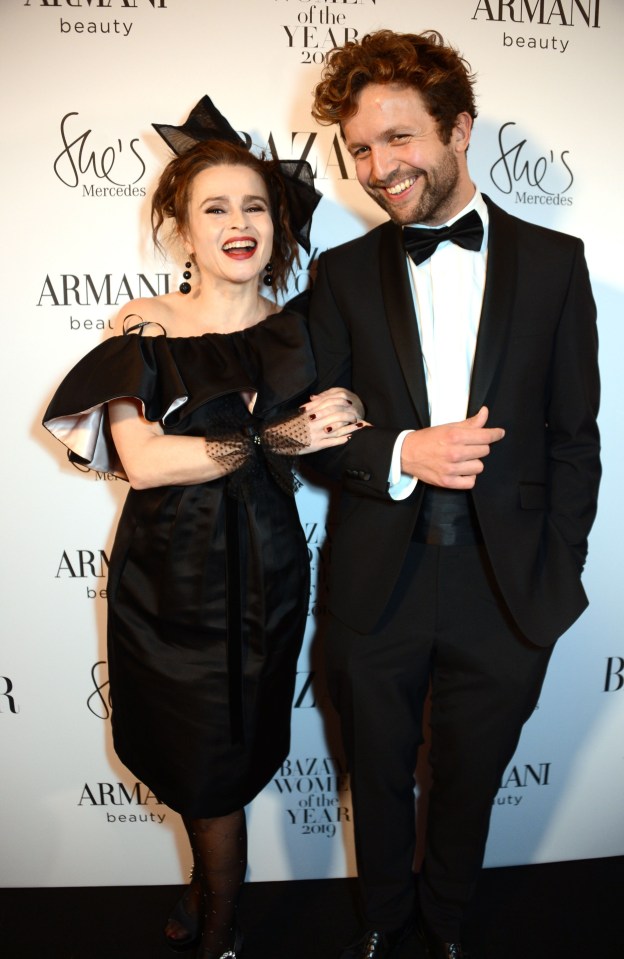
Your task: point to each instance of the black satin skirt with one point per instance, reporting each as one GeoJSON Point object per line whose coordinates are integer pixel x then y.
{"type": "Point", "coordinates": [208, 598]}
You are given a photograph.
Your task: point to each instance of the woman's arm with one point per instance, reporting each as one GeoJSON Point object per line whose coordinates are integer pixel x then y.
{"type": "Point", "coordinates": [151, 457]}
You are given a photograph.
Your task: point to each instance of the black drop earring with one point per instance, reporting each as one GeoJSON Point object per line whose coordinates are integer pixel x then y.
{"type": "Point", "coordinates": [267, 279]}
{"type": "Point", "coordinates": [185, 287]}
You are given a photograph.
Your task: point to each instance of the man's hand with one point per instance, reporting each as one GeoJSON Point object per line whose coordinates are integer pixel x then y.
{"type": "Point", "coordinates": [450, 455]}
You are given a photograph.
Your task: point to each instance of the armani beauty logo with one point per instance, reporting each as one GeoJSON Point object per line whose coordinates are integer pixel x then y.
{"type": "Point", "coordinates": [549, 13]}
{"type": "Point", "coordinates": [549, 21]}
{"type": "Point", "coordinates": [519, 778]}
{"type": "Point", "coordinates": [105, 13]}
{"type": "Point", "coordinates": [115, 796]}
{"type": "Point", "coordinates": [93, 292]}
{"type": "Point", "coordinates": [81, 564]}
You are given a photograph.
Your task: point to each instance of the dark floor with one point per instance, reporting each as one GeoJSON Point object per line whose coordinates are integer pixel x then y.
{"type": "Point", "coordinates": [567, 910]}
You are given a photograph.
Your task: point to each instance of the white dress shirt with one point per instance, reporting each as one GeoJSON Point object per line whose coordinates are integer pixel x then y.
{"type": "Point", "coordinates": [448, 296]}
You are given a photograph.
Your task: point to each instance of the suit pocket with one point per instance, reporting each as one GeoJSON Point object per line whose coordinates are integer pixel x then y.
{"type": "Point", "coordinates": [533, 495]}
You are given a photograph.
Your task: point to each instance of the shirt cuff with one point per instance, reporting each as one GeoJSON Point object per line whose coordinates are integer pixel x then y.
{"type": "Point", "coordinates": [400, 485]}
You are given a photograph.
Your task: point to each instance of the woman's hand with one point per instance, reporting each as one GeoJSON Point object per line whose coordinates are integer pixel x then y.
{"type": "Point", "coordinates": [333, 417]}
{"type": "Point", "coordinates": [327, 419]}
{"type": "Point", "coordinates": [337, 398]}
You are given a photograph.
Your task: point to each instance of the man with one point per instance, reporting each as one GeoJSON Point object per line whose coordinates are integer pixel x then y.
{"type": "Point", "coordinates": [465, 509]}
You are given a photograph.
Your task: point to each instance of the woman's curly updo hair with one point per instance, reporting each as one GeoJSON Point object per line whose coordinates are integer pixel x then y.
{"type": "Point", "coordinates": [421, 61]}
{"type": "Point", "coordinates": [171, 199]}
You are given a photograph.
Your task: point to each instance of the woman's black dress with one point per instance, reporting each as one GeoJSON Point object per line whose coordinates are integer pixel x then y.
{"type": "Point", "coordinates": [208, 584]}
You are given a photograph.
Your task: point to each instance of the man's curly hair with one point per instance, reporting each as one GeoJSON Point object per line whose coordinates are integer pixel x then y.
{"type": "Point", "coordinates": [421, 61]}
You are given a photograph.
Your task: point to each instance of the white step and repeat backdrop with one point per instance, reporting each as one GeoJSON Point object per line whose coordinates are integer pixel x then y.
{"type": "Point", "coordinates": [81, 82]}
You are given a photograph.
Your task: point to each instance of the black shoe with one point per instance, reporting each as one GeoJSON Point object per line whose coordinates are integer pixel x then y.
{"type": "Point", "coordinates": [446, 950]}
{"type": "Point", "coordinates": [437, 948]}
{"type": "Point", "coordinates": [375, 944]}
{"type": "Point", "coordinates": [188, 922]}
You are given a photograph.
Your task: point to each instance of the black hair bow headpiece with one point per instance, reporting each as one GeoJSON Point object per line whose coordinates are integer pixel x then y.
{"type": "Point", "coordinates": [204, 122]}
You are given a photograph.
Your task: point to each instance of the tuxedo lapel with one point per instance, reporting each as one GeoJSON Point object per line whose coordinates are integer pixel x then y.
{"type": "Point", "coordinates": [498, 301]}
{"type": "Point", "coordinates": [399, 306]}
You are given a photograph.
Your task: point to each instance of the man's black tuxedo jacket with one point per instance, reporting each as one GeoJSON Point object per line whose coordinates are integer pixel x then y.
{"type": "Point", "coordinates": [536, 370]}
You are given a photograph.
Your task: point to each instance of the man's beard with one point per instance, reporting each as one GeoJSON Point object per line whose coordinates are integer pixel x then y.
{"type": "Point", "coordinates": [435, 203]}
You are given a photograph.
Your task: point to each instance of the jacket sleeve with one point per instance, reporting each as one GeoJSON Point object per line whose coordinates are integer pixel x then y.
{"type": "Point", "coordinates": [362, 464]}
{"type": "Point", "coordinates": [572, 408]}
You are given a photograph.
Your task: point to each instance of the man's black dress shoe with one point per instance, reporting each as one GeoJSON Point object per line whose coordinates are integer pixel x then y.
{"type": "Point", "coordinates": [377, 945]}
{"type": "Point", "coordinates": [437, 948]}
{"type": "Point", "coordinates": [448, 950]}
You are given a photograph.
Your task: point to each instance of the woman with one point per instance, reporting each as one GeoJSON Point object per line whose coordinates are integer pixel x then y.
{"type": "Point", "coordinates": [197, 402]}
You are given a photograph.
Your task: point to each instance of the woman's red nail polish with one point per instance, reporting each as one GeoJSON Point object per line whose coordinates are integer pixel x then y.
{"type": "Point", "coordinates": [328, 429]}
{"type": "Point", "coordinates": [312, 416]}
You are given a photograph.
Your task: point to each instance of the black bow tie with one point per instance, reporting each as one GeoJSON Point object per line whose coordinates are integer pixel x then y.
{"type": "Point", "coordinates": [421, 243]}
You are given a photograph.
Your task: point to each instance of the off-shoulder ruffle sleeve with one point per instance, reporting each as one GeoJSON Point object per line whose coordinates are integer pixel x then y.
{"type": "Point", "coordinates": [124, 366]}
{"type": "Point", "coordinates": [174, 377]}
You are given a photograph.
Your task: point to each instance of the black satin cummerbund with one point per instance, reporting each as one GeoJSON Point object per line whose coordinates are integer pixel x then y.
{"type": "Point", "coordinates": [447, 518]}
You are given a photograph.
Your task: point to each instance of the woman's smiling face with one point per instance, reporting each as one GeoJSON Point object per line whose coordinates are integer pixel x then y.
{"type": "Point", "coordinates": [230, 229]}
